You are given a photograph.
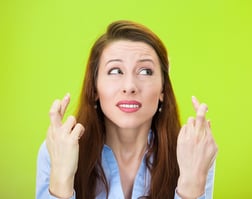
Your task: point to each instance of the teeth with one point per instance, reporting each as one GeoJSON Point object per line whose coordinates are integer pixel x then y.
{"type": "Point", "coordinates": [129, 105]}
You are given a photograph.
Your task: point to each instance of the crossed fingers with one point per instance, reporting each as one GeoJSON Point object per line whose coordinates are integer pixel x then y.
{"type": "Point", "coordinates": [200, 124]}
{"type": "Point", "coordinates": [57, 111]}
{"type": "Point", "coordinates": [56, 114]}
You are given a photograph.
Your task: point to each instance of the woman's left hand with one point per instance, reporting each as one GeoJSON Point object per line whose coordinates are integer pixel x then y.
{"type": "Point", "coordinates": [196, 152]}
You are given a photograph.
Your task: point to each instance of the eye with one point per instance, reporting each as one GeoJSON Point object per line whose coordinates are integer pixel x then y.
{"type": "Point", "coordinates": [115, 71]}
{"type": "Point", "coordinates": [145, 71]}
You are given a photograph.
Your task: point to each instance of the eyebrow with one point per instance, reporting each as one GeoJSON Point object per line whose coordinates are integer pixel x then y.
{"type": "Point", "coordinates": [119, 60]}
{"type": "Point", "coordinates": [113, 60]}
{"type": "Point", "coordinates": [145, 60]}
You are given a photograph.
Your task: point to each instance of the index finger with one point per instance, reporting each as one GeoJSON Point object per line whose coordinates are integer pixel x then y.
{"type": "Point", "coordinates": [64, 103]}
{"type": "Point", "coordinates": [55, 116]}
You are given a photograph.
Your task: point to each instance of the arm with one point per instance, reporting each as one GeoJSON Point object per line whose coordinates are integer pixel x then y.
{"type": "Point", "coordinates": [208, 194]}
{"type": "Point", "coordinates": [56, 173]}
{"type": "Point", "coordinates": [196, 153]}
{"type": "Point", "coordinates": [43, 174]}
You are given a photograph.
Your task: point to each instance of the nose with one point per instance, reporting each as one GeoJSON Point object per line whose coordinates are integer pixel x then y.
{"type": "Point", "coordinates": [129, 86]}
{"type": "Point", "coordinates": [132, 91]}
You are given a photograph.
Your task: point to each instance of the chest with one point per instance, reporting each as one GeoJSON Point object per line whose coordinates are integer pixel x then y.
{"type": "Point", "coordinates": [122, 182]}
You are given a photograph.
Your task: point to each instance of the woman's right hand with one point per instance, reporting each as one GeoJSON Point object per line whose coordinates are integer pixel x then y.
{"type": "Point", "coordinates": [63, 146]}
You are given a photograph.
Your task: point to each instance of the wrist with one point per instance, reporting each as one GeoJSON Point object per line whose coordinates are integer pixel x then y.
{"type": "Point", "coordinates": [60, 186]}
{"type": "Point", "coordinates": [61, 196]}
{"type": "Point", "coordinates": [190, 188]}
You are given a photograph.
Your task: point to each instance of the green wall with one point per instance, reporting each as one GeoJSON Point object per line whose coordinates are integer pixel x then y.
{"type": "Point", "coordinates": [44, 46]}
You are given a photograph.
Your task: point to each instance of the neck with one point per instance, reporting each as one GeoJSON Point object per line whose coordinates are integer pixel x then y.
{"type": "Point", "coordinates": [127, 144]}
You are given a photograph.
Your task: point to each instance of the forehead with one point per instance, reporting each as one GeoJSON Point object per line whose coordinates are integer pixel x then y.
{"type": "Point", "coordinates": [128, 48]}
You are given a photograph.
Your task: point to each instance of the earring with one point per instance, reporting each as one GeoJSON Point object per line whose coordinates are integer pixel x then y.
{"type": "Point", "coordinates": [160, 108]}
{"type": "Point", "coordinates": [95, 106]}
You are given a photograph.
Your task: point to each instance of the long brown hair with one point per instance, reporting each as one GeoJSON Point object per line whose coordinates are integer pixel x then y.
{"type": "Point", "coordinates": [165, 124]}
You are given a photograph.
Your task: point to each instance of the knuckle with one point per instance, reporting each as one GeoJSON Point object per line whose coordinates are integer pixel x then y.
{"type": "Point", "coordinates": [200, 117]}
{"type": "Point", "coordinates": [216, 149]}
{"type": "Point", "coordinates": [190, 119]}
{"type": "Point", "coordinates": [213, 148]}
{"type": "Point", "coordinates": [81, 127]}
{"type": "Point", "coordinates": [72, 118]}
{"type": "Point", "coordinates": [56, 102]}
{"type": "Point", "coordinates": [52, 113]}
{"type": "Point", "coordinates": [204, 105]}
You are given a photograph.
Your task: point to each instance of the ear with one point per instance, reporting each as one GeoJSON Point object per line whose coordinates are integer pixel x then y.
{"type": "Point", "coordinates": [161, 97]}
{"type": "Point", "coordinates": [96, 95]}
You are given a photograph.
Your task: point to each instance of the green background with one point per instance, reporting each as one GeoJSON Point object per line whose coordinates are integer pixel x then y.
{"type": "Point", "coordinates": [44, 46]}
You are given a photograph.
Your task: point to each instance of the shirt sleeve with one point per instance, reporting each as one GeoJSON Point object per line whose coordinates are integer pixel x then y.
{"type": "Point", "coordinates": [43, 174]}
{"type": "Point", "coordinates": [209, 185]}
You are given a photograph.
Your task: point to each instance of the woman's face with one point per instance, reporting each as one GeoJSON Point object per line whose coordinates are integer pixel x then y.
{"type": "Point", "coordinates": [129, 84]}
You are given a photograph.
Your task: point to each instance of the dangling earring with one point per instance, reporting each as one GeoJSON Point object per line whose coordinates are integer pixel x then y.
{"type": "Point", "coordinates": [95, 105]}
{"type": "Point", "coordinates": [160, 108]}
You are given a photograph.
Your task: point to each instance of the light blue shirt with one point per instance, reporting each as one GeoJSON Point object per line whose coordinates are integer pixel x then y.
{"type": "Point", "coordinates": [111, 170]}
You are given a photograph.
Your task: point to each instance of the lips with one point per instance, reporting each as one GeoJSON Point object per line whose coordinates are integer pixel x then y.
{"type": "Point", "coordinates": [129, 106]}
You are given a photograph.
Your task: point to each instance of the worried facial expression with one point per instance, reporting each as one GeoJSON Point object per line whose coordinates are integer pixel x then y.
{"type": "Point", "coordinates": [129, 84]}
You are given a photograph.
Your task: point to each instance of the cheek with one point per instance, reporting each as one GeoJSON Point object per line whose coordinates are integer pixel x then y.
{"type": "Point", "coordinates": [154, 92]}
{"type": "Point", "coordinates": [152, 100]}
{"type": "Point", "coordinates": [104, 98]}
{"type": "Point", "coordinates": [106, 90]}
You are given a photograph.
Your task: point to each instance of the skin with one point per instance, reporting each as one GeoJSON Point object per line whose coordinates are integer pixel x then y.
{"type": "Point", "coordinates": [62, 143]}
{"type": "Point", "coordinates": [124, 75]}
{"type": "Point", "coordinates": [129, 72]}
{"type": "Point", "coordinates": [196, 152]}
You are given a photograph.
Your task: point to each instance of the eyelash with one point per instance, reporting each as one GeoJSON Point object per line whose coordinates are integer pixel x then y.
{"type": "Point", "coordinates": [118, 71]}
{"type": "Point", "coordinates": [115, 71]}
{"type": "Point", "coordinates": [148, 71]}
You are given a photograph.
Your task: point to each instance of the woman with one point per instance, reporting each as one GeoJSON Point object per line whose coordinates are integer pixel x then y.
{"type": "Point", "coordinates": [133, 145]}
